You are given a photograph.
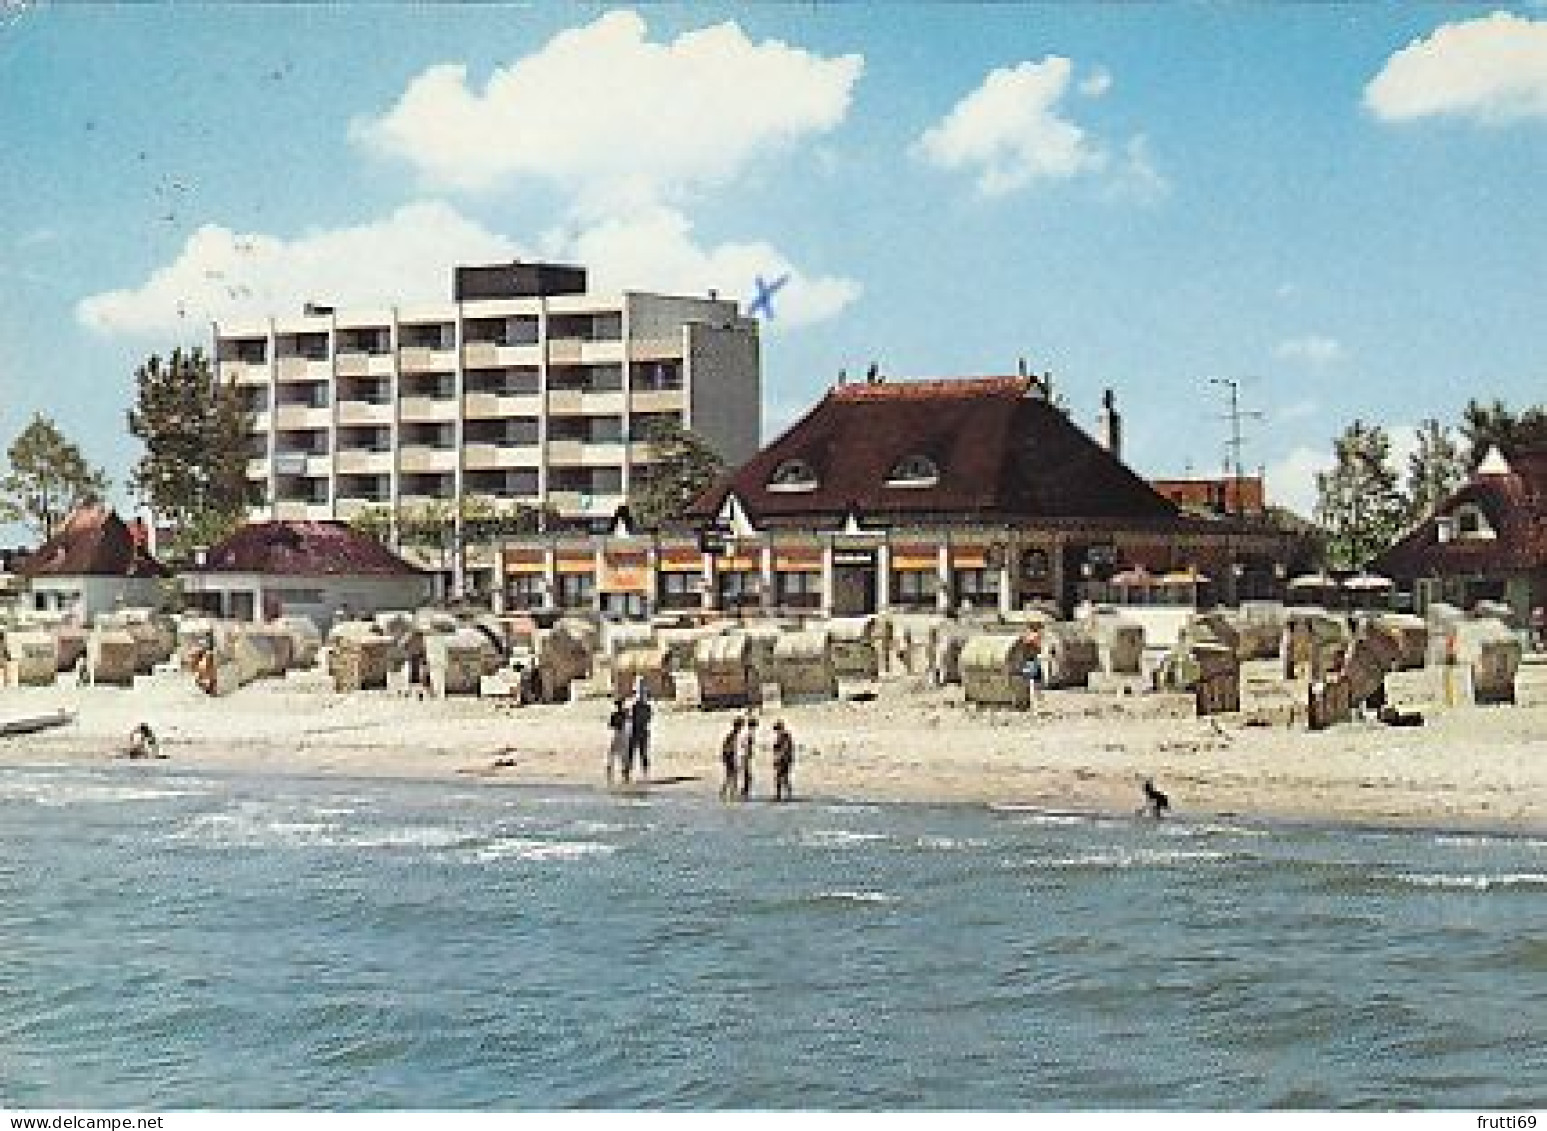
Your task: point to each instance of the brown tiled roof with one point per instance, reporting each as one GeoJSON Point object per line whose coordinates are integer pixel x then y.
{"type": "Point", "coordinates": [92, 542]}
{"type": "Point", "coordinates": [303, 549]}
{"type": "Point", "coordinates": [1001, 454]}
{"type": "Point", "coordinates": [1515, 506]}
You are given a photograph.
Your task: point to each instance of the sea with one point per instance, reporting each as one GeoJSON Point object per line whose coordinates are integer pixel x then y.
{"type": "Point", "coordinates": [174, 939]}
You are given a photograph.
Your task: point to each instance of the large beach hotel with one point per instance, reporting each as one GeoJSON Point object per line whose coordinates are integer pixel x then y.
{"type": "Point", "coordinates": [525, 389]}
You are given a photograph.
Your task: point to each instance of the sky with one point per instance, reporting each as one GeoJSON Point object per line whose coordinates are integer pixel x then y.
{"type": "Point", "coordinates": [1336, 207]}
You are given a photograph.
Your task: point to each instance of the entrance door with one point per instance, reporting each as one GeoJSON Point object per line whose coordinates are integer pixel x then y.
{"type": "Point", "coordinates": [854, 590]}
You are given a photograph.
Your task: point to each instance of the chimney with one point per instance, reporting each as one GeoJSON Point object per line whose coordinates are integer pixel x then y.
{"type": "Point", "coordinates": [1109, 426]}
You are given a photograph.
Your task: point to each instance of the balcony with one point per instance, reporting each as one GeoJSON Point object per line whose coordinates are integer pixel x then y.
{"type": "Point", "coordinates": [418, 460]}
{"type": "Point", "coordinates": [258, 468]}
{"type": "Point", "coordinates": [363, 461]}
{"type": "Point", "coordinates": [565, 351]}
{"type": "Point", "coordinates": [357, 364]}
{"type": "Point", "coordinates": [304, 369]}
{"type": "Point", "coordinates": [569, 402]}
{"type": "Point", "coordinates": [302, 416]}
{"type": "Point", "coordinates": [364, 412]}
{"type": "Point", "coordinates": [295, 510]}
{"type": "Point", "coordinates": [261, 423]}
{"type": "Point", "coordinates": [427, 410]}
{"type": "Point", "coordinates": [655, 349]}
{"type": "Point", "coordinates": [499, 457]}
{"type": "Point", "coordinates": [422, 359]}
{"type": "Point", "coordinates": [492, 355]}
{"type": "Point", "coordinates": [659, 400]}
{"type": "Point", "coordinates": [603, 454]}
{"type": "Point", "coordinates": [565, 452]}
{"type": "Point", "coordinates": [494, 406]}
{"type": "Point", "coordinates": [243, 372]}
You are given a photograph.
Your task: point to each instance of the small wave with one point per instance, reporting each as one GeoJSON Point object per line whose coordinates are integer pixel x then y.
{"type": "Point", "coordinates": [1195, 831]}
{"type": "Point", "coordinates": [832, 838]}
{"type": "Point", "coordinates": [1471, 882]}
{"type": "Point", "coordinates": [521, 848]}
{"type": "Point", "coordinates": [1137, 858]}
{"type": "Point", "coordinates": [57, 794]}
{"type": "Point", "coordinates": [856, 897]}
{"type": "Point", "coordinates": [950, 844]}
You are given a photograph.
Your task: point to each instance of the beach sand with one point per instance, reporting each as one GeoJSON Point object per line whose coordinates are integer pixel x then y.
{"type": "Point", "coordinates": [1467, 767]}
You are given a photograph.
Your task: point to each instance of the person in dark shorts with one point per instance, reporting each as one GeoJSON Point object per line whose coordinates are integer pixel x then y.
{"type": "Point", "coordinates": [617, 744]}
{"type": "Point", "coordinates": [639, 715]}
{"type": "Point", "coordinates": [783, 762]}
{"type": "Point", "coordinates": [729, 760]}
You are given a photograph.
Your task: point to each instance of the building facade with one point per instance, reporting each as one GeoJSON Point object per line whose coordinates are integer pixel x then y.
{"type": "Point", "coordinates": [909, 496]}
{"type": "Point", "coordinates": [523, 390]}
{"type": "Point", "coordinates": [1487, 541]}
{"type": "Point", "coordinates": [95, 563]}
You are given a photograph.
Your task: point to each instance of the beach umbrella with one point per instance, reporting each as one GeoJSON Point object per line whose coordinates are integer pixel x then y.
{"type": "Point", "coordinates": [1314, 581]}
{"type": "Point", "coordinates": [1368, 581]}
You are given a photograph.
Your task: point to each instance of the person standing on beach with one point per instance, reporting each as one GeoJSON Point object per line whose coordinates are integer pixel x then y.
{"type": "Point", "coordinates": [783, 762]}
{"type": "Point", "coordinates": [617, 745]}
{"type": "Point", "coordinates": [748, 748]}
{"type": "Point", "coordinates": [639, 715]}
{"type": "Point", "coordinates": [1032, 669]}
{"type": "Point", "coordinates": [729, 759]}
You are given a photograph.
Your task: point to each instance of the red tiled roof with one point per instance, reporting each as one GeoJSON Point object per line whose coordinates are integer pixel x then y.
{"type": "Point", "coordinates": [1515, 506]}
{"type": "Point", "coordinates": [92, 542]}
{"type": "Point", "coordinates": [303, 549]}
{"type": "Point", "coordinates": [1001, 455]}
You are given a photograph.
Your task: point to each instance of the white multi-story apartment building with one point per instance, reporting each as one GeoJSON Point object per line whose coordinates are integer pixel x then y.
{"type": "Point", "coordinates": [524, 389]}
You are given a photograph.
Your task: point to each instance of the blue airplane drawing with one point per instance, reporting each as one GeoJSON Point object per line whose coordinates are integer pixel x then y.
{"type": "Point", "coordinates": [763, 301]}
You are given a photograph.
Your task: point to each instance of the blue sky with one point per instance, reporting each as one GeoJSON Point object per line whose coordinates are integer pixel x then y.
{"type": "Point", "coordinates": [1338, 206]}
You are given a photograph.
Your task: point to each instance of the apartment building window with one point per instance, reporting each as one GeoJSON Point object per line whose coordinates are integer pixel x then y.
{"type": "Point", "coordinates": [312, 442]}
{"type": "Point", "coordinates": [310, 394]}
{"type": "Point", "coordinates": [312, 347]}
{"type": "Point", "coordinates": [364, 488]}
{"type": "Point", "coordinates": [799, 589]}
{"type": "Point", "coordinates": [434, 386]}
{"type": "Point", "coordinates": [586, 378]}
{"type": "Point", "coordinates": [739, 588]}
{"type": "Point", "coordinates": [915, 588]}
{"type": "Point", "coordinates": [604, 326]}
{"type": "Point", "coordinates": [576, 590]}
{"type": "Point", "coordinates": [295, 489]}
{"type": "Point", "coordinates": [427, 335]}
{"type": "Point", "coordinates": [655, 376]}
{"type": "Point", "coordinates": [253, 399]}
{"type": "Point", "coordinates": [374, 340]}
{"type": "Point", "coordinates": [376, 438]}
{"type": "Point", "coordinates": [439, 436]}
{"type": "Point", "coordinates": [377, 391]}
{"type": "Point", "coordinates": [249, 351]}
{"type": "Point", "coordinates": [679, 590]}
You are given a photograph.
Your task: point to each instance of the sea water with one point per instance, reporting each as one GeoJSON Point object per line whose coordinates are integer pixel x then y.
{"type": "Point", "coordinates": [174, 940]}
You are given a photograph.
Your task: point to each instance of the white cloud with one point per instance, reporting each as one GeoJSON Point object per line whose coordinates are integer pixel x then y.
{"type": "Point", "coordinates": [1492, 69]}
{"type": "Point", "coordinates": [1313, 349]}
{"type": "Point", "coordinates": [1135, 177]}
{"type": "Point", "coordinates": [1011, 132]}
{"type": "Point", "coordinates": [1291, 481]}
{"type": "Point", "coordinates": [220, 274]}
{"type": "Point", "coordinates": [409, 255]}
{"type": "Point", "coordinates": [605, 112]}
{"type": "Point", "coordinates": [1299, 410]}
{"type": "Point", "coordinates": [655, 249]}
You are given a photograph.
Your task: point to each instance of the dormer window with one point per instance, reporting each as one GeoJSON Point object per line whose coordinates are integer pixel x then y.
{"type": "Point", "coordinates": [1472, 523]}
{"type": "Point", "coordinates": [793, 475]}
{"type": "Point", "coordinates": [914, 471]}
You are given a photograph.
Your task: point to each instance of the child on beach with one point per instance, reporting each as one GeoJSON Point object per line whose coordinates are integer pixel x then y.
{"type": "Point", "coordinates": [729, 754]}
{"type": "Point", "coordinates": [783, 761]}
{"type": "Point", "coordinates": [617, 745]}
{"type": "Point", "coordinates": [748, 748]}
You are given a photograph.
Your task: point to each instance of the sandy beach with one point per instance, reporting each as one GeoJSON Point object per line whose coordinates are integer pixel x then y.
{"type": "Point", "coordinates": [1084, 751]}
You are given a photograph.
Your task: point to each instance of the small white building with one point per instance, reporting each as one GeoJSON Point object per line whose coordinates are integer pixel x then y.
{"type": "Point", "coordinates": [316, 570]}
{"type": "Point", "coordinates": [95, 563]}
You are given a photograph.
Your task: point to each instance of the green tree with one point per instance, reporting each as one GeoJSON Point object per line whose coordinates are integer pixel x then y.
{"type": "Point", "coordinates": [195, 431]}
{"type": "Point", "coordinates": [1434, 469]}
{"type": "Point", "coordinates": [1359, 503]}
{"type": "Point", "coordinates": [1488, 425]}
{"type": "Point", "coordinates": [48, 478]}
{"type": "Point", "coordinates": [682, 467]}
